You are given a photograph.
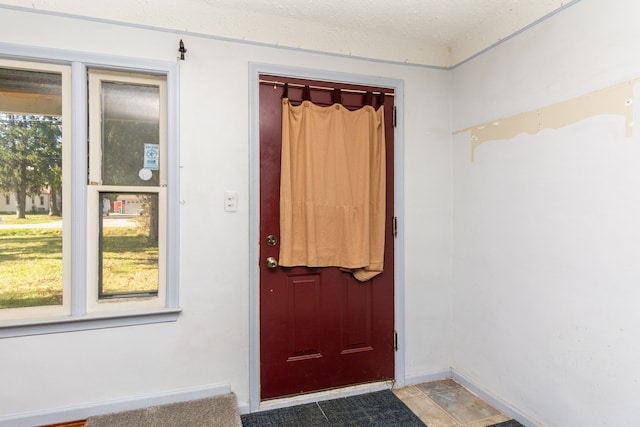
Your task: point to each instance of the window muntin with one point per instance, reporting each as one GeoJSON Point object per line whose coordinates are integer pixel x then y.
{"type": "Point", "coordinates": [34, 148]}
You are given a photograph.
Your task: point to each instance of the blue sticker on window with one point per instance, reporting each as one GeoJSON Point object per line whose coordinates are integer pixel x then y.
{"type": "Point", "coordinates": [151, 156]}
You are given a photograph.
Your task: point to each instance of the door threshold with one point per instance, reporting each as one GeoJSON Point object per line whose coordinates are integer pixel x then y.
{"type": "Point", "coordinates": [319, 396]}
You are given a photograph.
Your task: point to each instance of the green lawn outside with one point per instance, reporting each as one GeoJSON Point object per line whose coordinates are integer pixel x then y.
{"type": "Point", "coordinates": [130, 261]}
{"type": "Point", "coordinates": [10, 218]}
{"type": "Point", "coordinates": [30, 267]}
{"type": "Point", "coordinates": [31, 263]}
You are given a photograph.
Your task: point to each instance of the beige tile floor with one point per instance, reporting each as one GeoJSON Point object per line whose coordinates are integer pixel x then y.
{"type": "Point", "coordinates": [446, 403]}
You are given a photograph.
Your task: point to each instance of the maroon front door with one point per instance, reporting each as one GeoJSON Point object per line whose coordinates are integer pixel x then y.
{"type": "Point", "coordinates": [319, 327]}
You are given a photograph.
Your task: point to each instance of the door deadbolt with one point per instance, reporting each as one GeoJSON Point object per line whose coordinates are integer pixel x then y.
{"type": "Point", "coordinates": [272, 240]}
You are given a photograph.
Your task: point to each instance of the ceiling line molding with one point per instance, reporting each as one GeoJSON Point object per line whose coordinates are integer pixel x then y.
{"type": "Point", "coordinates": [106, 21]}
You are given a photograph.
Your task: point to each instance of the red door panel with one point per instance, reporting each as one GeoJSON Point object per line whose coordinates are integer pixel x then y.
{"type": "Point", "coordinates": [304, 317]}
{"type": "Point", "coordinates": [356, 311]}
{"type": "Point", "coordinates": [319, 327]}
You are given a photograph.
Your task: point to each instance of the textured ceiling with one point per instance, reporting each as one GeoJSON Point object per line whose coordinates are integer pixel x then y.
{"type": "Point", "coordinates": [429, 32]}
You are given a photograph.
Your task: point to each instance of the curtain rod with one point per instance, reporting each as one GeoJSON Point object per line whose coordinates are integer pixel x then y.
{"type": "Point", "coordinates": [277, 83]}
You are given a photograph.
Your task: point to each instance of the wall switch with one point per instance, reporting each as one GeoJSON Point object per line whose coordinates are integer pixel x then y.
{"type": "Point", "coordinates": [230, 201]}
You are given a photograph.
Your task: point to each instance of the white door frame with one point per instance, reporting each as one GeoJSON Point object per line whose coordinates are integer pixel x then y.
{"type": "Point", "coordinates": [255, 69]}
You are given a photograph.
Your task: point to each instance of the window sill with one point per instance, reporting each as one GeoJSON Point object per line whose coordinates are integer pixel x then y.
{"type": "Point", "coordinates": [54, 325]}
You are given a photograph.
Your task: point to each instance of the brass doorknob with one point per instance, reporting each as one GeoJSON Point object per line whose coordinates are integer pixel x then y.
{"type": "Point", "coordinates": [272, 262]}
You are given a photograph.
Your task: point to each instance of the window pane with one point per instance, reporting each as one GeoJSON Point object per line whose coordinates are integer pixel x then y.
{"type": "Point", "coordinates": [30, 167]}
{"type": "Point", "coordinates": [130, 134]}
{"type": "Point", "coordinates": [128, 244]}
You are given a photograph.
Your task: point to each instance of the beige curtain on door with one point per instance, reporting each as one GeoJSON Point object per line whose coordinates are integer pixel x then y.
{"type": "Point", "coordinates": [332, 188]}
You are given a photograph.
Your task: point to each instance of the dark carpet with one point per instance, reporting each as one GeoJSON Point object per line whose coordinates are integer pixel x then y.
{"type": "Point", "coordinates": [510, 423]}
{"type": "Point", "coordinates": [379, 409]}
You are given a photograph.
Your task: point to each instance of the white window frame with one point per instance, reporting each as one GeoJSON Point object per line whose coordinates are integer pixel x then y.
{"type": "Point", "coordinates": [96, 186]}
{"type": "Point", "coordinates": [76, 312]}
{"type": "Point", "coordinates": [9, 314]}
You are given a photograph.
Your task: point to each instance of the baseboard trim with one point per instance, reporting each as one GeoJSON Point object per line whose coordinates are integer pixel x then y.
{"type": "Point", "coordinates": [29, 419]}
{"type": "Point", "coordinates": [491, 398]}
{"type": "Point", "coordinates": [495, 401]}
{"type": "Point", "coordinates": [425, 378]}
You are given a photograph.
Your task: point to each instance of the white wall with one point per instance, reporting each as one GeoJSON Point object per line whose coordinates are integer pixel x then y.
{"type": "Point", "coordinates": [209, 344]}
{"type": "Point", "coordinates": [546, 233]}
{"type": "Point", "coordinates": [547, 225]}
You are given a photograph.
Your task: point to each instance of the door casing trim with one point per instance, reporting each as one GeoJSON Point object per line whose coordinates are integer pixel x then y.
{"type": "Point", "coordinates": [255, 69]}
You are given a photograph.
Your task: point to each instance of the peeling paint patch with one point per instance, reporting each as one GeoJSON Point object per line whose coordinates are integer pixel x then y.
{"type": "Point", "coordinates": [614, 100]}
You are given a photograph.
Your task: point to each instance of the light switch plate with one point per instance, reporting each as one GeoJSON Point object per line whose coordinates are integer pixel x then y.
{"type": "Point", "coordinates": [230, 201]}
